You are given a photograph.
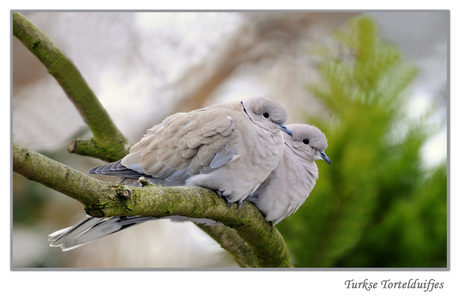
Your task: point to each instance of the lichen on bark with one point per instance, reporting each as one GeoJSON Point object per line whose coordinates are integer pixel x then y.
{"type": "Point", "coordinates": [245, 234]}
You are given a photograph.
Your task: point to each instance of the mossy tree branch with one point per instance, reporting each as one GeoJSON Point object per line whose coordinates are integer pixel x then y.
{"type": "Point", "coordinates": [229, 239]}
{"type": "Point", "coordinates": [249, 245]}
{"type": "Point", "coordinates": [108, 142]}
{"type": "Point", "coordinates": [109, 199]}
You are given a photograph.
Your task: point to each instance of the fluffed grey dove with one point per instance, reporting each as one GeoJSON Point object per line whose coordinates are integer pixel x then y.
{"type": "Point", "coordinates": [230, 148]}
{"type": "Point", "coordinates": [290, 184]}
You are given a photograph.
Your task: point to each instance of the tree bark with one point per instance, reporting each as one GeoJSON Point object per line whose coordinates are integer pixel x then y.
{"type": "Point", "coordinates": [245, 234]}
{"type": "Point", "coordinates": [108, 143]}
{"type": "Point", "coordinates": [102, 199]}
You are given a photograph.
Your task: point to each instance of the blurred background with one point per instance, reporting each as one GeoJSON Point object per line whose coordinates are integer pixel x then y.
{"type": "Point", "coordinates": [376, 83]}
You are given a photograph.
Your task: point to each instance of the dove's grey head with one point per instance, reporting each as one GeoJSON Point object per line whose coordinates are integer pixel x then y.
{"type": "Point", "coordinates": [307, 142]}
{"type": "Point", "coordinates": [267, 114]}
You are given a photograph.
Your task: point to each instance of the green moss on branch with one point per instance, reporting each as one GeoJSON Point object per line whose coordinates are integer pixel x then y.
{"type": "Point", "coordinates": [106, 134]}
{"type": "Point", "coordinates": [108, 199]}
{"type": "Point", "coordinates": [262, 246]}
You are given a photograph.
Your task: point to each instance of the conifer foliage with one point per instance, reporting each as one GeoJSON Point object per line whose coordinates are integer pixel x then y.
{"type": "Point", "coordinates": [376, 206]}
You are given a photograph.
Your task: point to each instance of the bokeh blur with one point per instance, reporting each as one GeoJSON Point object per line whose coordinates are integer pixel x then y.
{"type": "Point", "coordinates": [376, 83]}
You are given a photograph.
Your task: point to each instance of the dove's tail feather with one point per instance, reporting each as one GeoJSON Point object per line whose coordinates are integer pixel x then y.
{"type": "Point", "coordinates": [90, 229]}
{"type": "Point", "coordinates": [117, 169]}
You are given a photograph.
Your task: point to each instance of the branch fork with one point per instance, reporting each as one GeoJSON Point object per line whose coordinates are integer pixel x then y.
{"type": "Point", "coordinates": [245, 234]}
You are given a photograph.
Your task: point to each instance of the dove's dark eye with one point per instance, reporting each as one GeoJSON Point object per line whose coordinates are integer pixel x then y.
{"type": "Point", "coordinates": [306, 141]}
{"type": "Point", "coordinates": [266, 115]}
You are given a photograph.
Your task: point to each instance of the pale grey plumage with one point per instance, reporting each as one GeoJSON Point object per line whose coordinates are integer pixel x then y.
{"type": "Point", "coordinates": [91, 228]}
{"type": "Point", "coordinates": [230, 148]}
{"type": "Point", "coordinates": [289, 185]}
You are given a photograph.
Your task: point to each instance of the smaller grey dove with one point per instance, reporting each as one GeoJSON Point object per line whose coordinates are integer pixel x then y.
{"type": "Point", "coordinates": [230, 148]}
{"type": "Point", "coordinates": [290, 184]}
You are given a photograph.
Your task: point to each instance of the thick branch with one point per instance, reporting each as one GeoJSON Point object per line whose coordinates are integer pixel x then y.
{"type": "Point", "coordinates": [108, 199]}
{"type": "Point", "coordinates": [108, 143]}
{"type": "Point", "coordinates": [57, 176]}
{"type": "Point", "coordinates": [229, 239]}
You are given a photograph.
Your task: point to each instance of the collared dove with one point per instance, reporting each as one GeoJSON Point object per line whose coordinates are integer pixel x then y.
{"type": "Point", "coordinates": [230, 148]}
{"type": "Point", "coordinates": [289, 185]}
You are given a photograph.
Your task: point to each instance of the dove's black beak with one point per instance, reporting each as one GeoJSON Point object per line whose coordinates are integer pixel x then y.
{"type": "Point", "coordinates": [324, 157]}
{"type": "Point", "coordinates": [285, 129]}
